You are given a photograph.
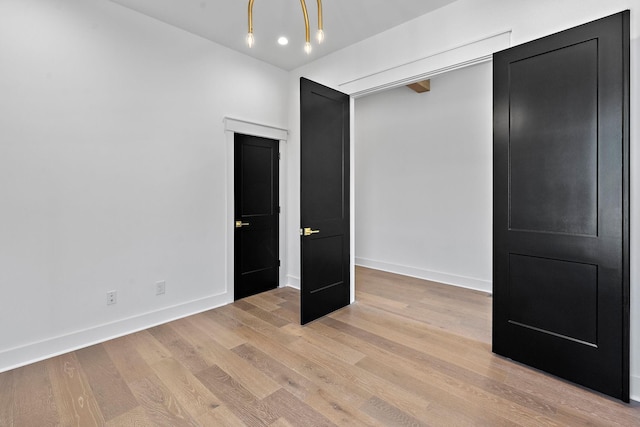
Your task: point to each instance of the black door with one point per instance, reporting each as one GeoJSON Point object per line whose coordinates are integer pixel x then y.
{"type": "Point", "coordinates": [324, 200]}
{"type": "Point", "coordinates": [256, 213]}
{"type": "Point", "coordinates": [561, 211]}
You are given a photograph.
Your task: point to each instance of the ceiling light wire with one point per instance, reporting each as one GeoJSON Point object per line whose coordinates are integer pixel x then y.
{"type": "Point", "coordinates": [307, 46]}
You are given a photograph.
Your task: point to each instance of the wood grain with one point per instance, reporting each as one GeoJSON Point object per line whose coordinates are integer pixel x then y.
{"type": "Point", "coordinates": [77, 404]}
{"type": "Point", "coordinates": [221, 416]}
{"type": "Point", "coordinates": [409, 352]}
{"type": "Point", "coordinates": [109, 389]}
{"type": "Point", "coordinates": [136, 417]}
{"type": "Point", "coordinates": [180, 348]}
{"type": "Point", "coordinates": [239, 400]}
{"type": "Point", "coordinates": [317, 396]}
{"type": "Point", "coordinates": [34, 400]}
{"type": "Point", "coordinates": [6, 398]}
{"type": "Point", "coordinates": [215, 354]}
{"type": "Point", "coordinates": [294, 411]}
{"type": "Point", "coordinates": [186, 388]}
{"type": "Point", "coordinates": [389, 414]}
{"type": "Point", "coordinates": [124, 355]}
{"type": "Point", "coordinates": [160, 404]}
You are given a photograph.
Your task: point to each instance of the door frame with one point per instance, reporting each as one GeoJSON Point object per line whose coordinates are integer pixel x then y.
{"type": "Point", "coordinates": [476, 51]}
{"type": "Point", "coordinates": [231, 127]}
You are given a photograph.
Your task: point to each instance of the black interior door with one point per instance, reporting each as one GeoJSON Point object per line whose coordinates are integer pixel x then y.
{"type": "Point", "coordinates": [256, 213]}
{"type": "Point", "coordinates": [324, 200]}
{"type": "Point", "coordinates": [561, 211]}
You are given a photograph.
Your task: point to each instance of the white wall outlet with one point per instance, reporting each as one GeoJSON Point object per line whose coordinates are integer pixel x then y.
{"type": "Point", "coordinates": [161, 287]}
{"type": "Point", "coordinates": [112, 297]}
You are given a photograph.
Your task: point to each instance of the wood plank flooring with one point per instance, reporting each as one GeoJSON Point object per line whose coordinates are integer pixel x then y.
{"type": "Point", "coordinates": [408, 353]}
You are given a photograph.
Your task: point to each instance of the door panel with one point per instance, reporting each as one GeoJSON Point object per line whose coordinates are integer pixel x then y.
{"type": "Point", "coordinates": [554, 123]}
{"type": "Point", "coordinates": [326, 270]}
{"type": "Point", "coordinates": [561, 204]}
{"type": "Point", "coordinates": [256, 213]}
{"type": "Point", "coordinates": [567, 290]}
{"type": "Point", "coordinates": [324, 200]}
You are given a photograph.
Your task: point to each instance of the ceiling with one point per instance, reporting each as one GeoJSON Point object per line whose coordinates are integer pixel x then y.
{"type": "Point", "coordinates": [225, 22]}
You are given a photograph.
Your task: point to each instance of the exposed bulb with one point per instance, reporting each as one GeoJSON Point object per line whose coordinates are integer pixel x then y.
{"type": "Point", "coordinates": [320, 36]}
{"type": "Point", "coordinates": [307, 48]}
{"type": "Point", "coordinates": [250, 40]}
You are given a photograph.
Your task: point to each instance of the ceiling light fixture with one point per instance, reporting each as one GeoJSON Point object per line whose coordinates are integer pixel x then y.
{"type": "Point", "coordinates": [307, 45]}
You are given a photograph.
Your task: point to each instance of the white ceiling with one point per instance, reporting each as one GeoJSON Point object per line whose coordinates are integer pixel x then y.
{"type": "Point", "coordinates": [225, 22]}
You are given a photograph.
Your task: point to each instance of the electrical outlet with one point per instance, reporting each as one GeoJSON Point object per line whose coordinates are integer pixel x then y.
{"type": "Point", "coordinates": [112, 297]}
{"type": "Point", "coordinates": [161, 287]}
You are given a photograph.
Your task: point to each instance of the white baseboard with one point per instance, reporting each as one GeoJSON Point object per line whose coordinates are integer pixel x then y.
{"type": "Point", "coordinates": [634, 388]}
{"type": "Point", "coordinates": [434, 276]}
{"type": "Point", "coordinates": [37, 351]}
{"type": "Point", "coordinates": [293, 282]}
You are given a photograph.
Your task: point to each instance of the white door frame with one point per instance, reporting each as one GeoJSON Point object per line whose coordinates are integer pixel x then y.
{"type": "Point", "coordinates": [465, 55]}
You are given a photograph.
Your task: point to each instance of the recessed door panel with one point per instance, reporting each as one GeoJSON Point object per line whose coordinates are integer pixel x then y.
{"type": "Point", "coordinates": [257, 185]}
{"type": "Point", "coordinates": [259, 249]}
{"type": "Point", "coordinates": [554, 297]}
{"type": "Point", "coordinates": [325, 163]}
{"type": "Point", "coordinates": [327, 270]}
{"type": "Point", "coordinates": [553, 140]}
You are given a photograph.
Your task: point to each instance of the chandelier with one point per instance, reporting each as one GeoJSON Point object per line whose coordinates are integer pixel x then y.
{"type": "Point", "coordinates": [307, 45]}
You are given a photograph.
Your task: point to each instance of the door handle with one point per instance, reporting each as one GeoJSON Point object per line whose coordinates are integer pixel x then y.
{"type": "Point", "coordinates": [308, 231]}
{"type": "Point", "coordinates": [240, 224]}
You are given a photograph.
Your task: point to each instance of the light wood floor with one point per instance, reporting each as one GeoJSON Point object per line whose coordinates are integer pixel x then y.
{"type": "Point", "coordinates": [408, 352]}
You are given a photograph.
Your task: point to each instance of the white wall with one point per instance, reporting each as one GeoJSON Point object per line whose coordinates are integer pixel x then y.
{"type": "Point", "coordinates": [460, 23]}
{"type": "Point", "coordinates": [113, 170]}
{"type": "Point", "coordinates": [112, 155]}
{"type": "Point", "coordinates": [423, 185]}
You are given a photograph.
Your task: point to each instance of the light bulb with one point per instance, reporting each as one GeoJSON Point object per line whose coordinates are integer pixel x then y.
{"type": "Point", "coordinates": [320, 36]}
{"type": "Point", "coordinates": [250, 40]}
{"type": "Point", "coordinates": [307, 48]}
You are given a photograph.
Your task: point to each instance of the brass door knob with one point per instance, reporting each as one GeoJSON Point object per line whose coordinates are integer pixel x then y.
{"type": "Point", "coordinates": [308, 231]}
{"type": "Point", "coordinates": [240, 224]}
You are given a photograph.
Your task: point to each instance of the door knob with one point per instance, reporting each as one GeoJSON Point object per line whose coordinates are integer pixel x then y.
{"type": "Point", "coordinates": [240, 224]}
{"type": "Point", "coordinates": [308, 231]}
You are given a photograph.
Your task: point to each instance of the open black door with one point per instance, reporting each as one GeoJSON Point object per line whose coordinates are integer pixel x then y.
{"type": "Point", "coordinates": [256, 208]}
{"type": "Point", "coordinates": [324, 200]}
{"type": "Point", "coordinates": [561, 204]}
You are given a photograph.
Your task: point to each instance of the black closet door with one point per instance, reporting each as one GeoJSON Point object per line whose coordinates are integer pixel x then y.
{"type": "Point", "coordinates": [561, 204]}
{"type": "Point", "coordinates": [324, 200]}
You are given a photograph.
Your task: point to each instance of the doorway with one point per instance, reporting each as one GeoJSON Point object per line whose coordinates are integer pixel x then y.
{"type": "Point", "coordinates": [256, 213]}
{"type": "Point", "coordinates": [423, 174]}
